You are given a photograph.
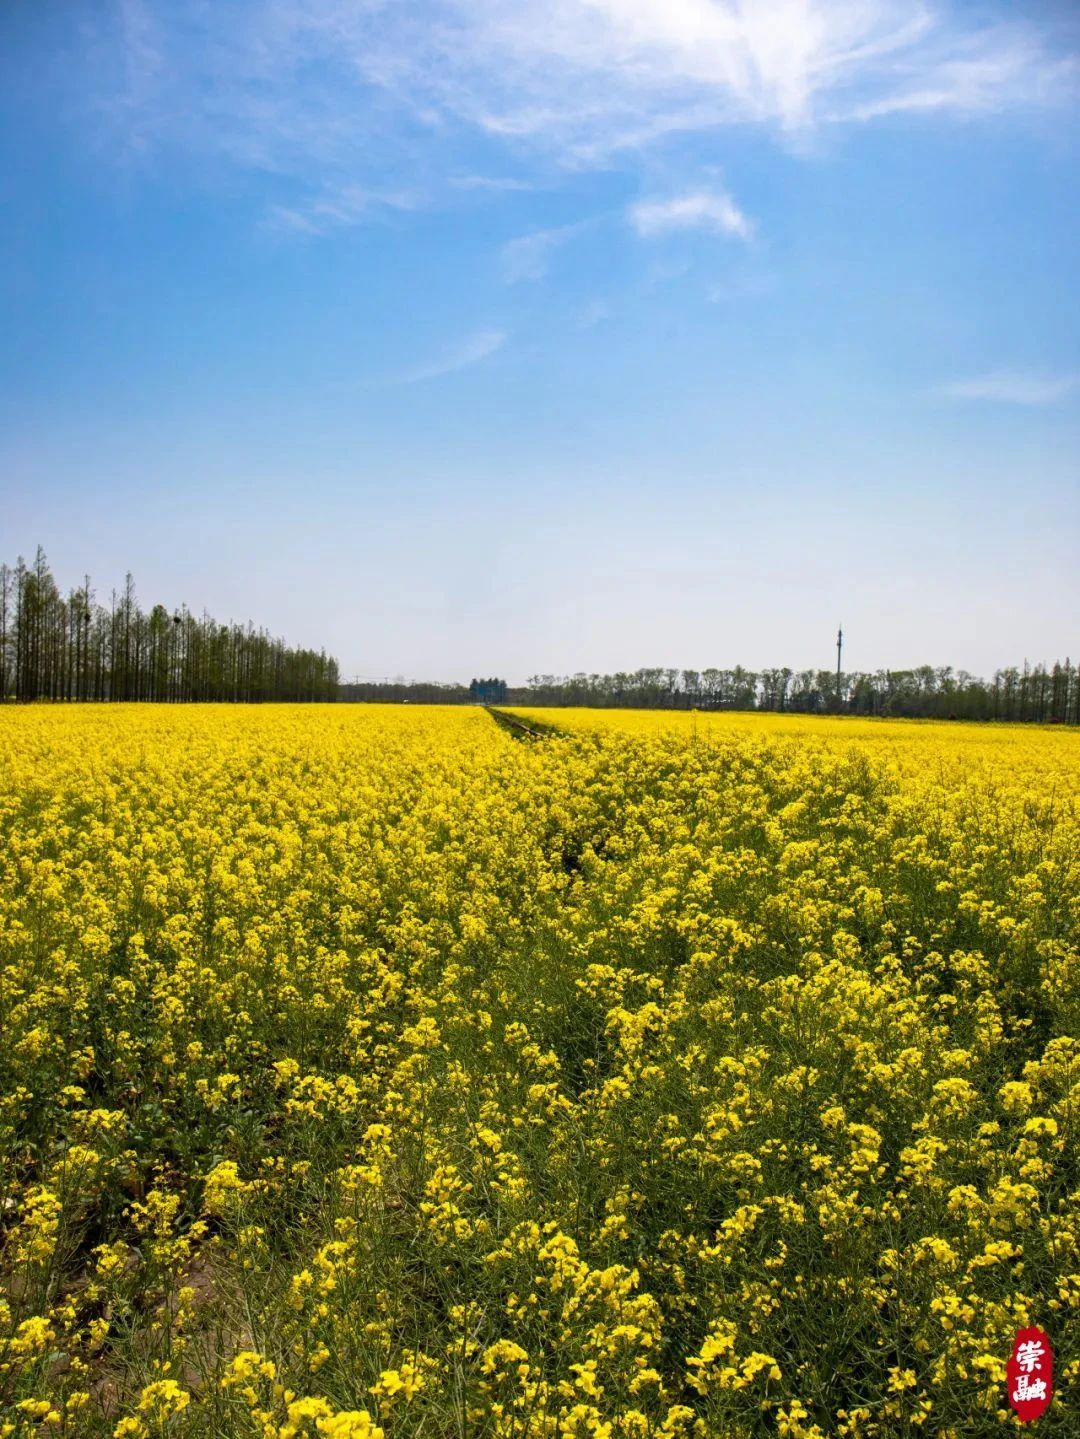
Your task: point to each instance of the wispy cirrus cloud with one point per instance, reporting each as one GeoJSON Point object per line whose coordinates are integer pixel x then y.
{"type": "Point", "coordinates": [1012, 387]}
{"type": "Point", "coordinates": [491, 182]}
{"type": "Point", "coordinates": [528, 256]}
{"type": "Point", "coordinates": [713, 210]}
{"type": "Point", "coordinates": [592, 314]}
{"type": "Point", "coordinates": [347, 205]}
{"type": "Point", "coordinates": [748, 285]}
{"type": "Point", "coordinates": [466, 353]}
{"type": "Point", "coordinates": [359, 92]}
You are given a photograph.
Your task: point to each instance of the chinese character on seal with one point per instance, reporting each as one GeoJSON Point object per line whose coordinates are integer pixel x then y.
{"type": "Point", "coordinates": [1029, 1374]}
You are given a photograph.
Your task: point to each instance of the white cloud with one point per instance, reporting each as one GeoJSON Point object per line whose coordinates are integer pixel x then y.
{"type": "Point", "coordinates": [698, 210]}
{"type": "Point", "coordinates": [744, 286]}
{"type": "Point", "coordinates": [332, 92]}
{"type": "Point", "coordinates": [528, 256]}
{"type": "Point", "coordinates": [975, 73]}
{"type": "Point", "coordinates": [470, 351]}
{"type": "Point", "coordinates": [490, 182]}
{"type": "Point", "coordinates": [592, 314]}
{"type": "Point", "coordinates": [1013, 388]}
{"type": "Point", "coordinates": [348, 205]}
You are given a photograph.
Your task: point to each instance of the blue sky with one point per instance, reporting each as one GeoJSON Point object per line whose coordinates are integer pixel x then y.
{"type": "Point", "coordinates": [469, 336]}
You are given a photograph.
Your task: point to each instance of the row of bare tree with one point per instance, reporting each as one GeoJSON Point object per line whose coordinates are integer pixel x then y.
{"type": "Point", "coordinates": [71, 647]}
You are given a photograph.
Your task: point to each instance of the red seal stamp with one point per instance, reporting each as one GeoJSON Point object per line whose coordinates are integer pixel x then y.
{"type": "Point", "coordinates": [1029, 1374]}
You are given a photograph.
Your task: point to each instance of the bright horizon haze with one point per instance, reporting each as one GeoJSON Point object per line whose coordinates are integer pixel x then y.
{"type": "Point", "coordinates": [475, 337]}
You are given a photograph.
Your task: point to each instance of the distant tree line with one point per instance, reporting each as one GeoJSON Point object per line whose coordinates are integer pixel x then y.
{"type": "Point", "coordinates": [1039, 694]}
{"type": "Point", "coordinates": [428, 692]}
{"type": "Point", "coordinates": [74, 647]}
{"type": "Point", "coordinates": [431, 692]}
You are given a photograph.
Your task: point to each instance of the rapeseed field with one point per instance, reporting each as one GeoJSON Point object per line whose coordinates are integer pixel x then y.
{"type": "Point", "coordinates": [373, 1072]}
